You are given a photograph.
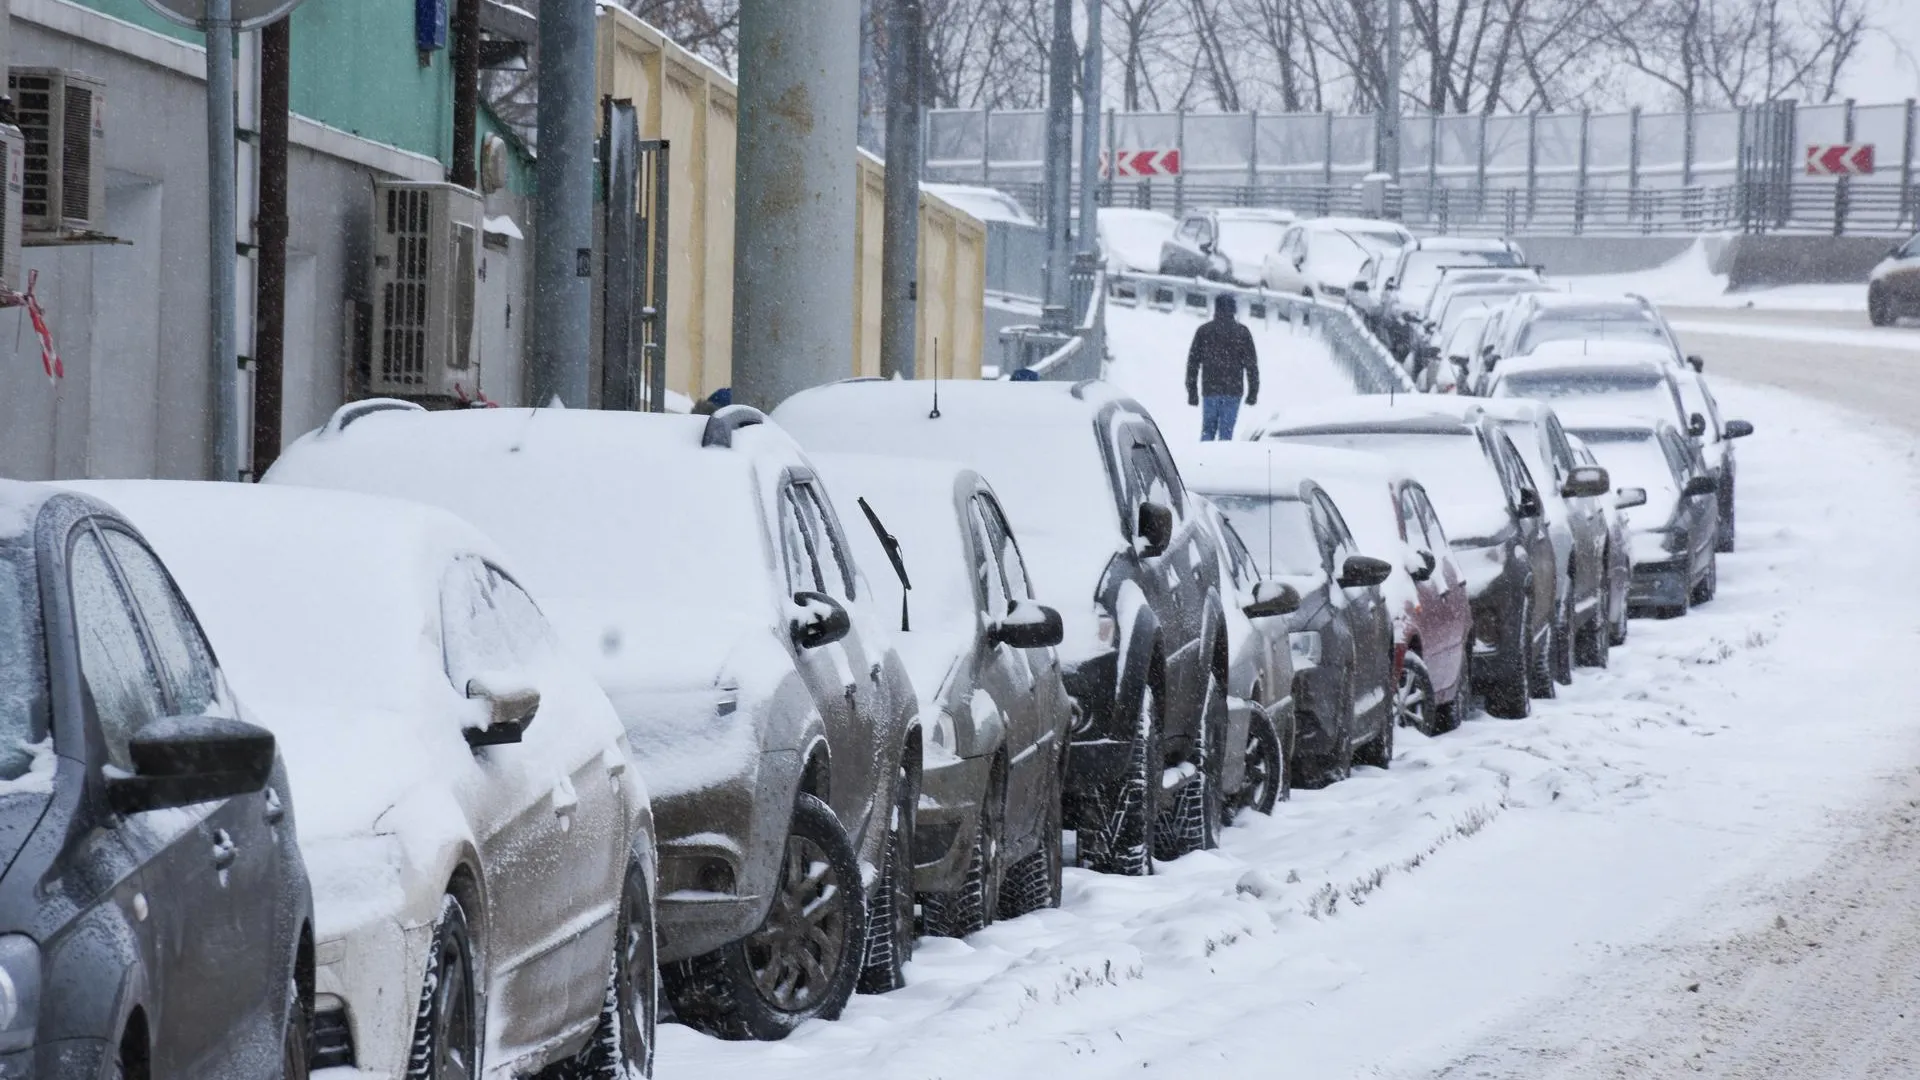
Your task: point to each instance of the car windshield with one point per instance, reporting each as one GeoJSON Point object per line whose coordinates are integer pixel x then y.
{"type": "Point", "coordinates": [1633, 459]}
{"type": "Point", "coordinates": [23, 685]}
{"type": "Point", "coordinates": [1339, 258]}
{"type": "Point", "coordinates": [1422, 272]}
{"type": "Point", "coordinates": [1617, 392]}
{"type": "Point", "coordinates": [1465, 330]}
{"type": "Point", "coordinates": [1250, 241]}
{"type": "Point", "coordinates": [1451, 466]}
{"type": "Point", "coordinates": [1588, 324]}
{"type": "Point", "coordinates": [1280, 524]}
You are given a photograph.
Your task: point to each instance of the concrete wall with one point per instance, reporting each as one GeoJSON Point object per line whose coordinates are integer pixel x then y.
{"type": "Point", "coordinates": [1760, 261]}
{"type": "Point", "coordinates": [1563, 255]}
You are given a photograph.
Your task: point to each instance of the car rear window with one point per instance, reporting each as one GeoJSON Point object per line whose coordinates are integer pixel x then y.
{"type": "Point", "coordinates": [1451, 466]}
{"type": "Point", "coordinates": [1278, 532]}
{"type": "Point", "coordinates": [23, 681]}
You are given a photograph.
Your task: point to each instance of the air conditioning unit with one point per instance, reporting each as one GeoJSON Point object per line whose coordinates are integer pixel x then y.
{"type": "Point", "coordinates": [63, 116]}
{"type": "Point", "coordinates": [13, 167]}
{"type": "Point", "coordinates": [426, 249]}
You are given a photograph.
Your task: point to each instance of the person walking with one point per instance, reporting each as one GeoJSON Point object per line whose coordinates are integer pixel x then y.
{"type": "Point", "coordinates": [1221, 367]}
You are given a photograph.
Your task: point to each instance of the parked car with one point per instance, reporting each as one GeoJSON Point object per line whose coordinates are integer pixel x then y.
{"type": "Point", "coordinates": [979, 650]}
{"type": "Point", "coordinates": [1715, 437]}
{"type": "Point", "coordinates": [354, 623]}
{"type": "Point", "coordinates": [1619, 565]}
{"type": "Point", "coordinates": [773, 728]}
{"type": "Point", "coordinates": [1447, 367]}
{"type": "Point", "coordinates": [1262, 729]}
{"type": "Point", "coordinates": [1342, 633]}
{"type": "Point", "coordinates": [1893, 286]}
{"type": "Point", "coordinates": [1671, 541]}
{"type": "Point", "coordinates": [1493, 515]}
{"type": "Point", "coordinates": [155, 918]}
{"type": "Point", "coordinates": [1419, 269]}
{"type": "Point", "coordinates": [1229, 244]}
{"type": "Point", "coordinates": [1324, 256]}
{"type": "Point", "coordinates": [1602, 384]}
{"type": "Point", "coordinates": [1130, 238]}
{"type": "Point", "coordinates": [985, 203]}
{"type": "Point", "coordinates": [1108, 530]}
{"type": "Point", "coordinates": [1541, 319]}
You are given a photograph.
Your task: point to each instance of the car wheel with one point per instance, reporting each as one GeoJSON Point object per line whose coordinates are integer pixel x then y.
{"type": "Point", "coordinates": [1511, 697]}
{"type": "Point", "coordinates": [448, 1030]}
{"type": "Point", "coordinates": [1119, 844]}
{"type": "Point", "coordinates": [1543, 683]}
{"type": "Point", "coordinates": [1265, 773]}
{"type": "Point", "coordinates": [1379, 751]}
{"type": "Point", "coordinates": [1879, 307]}
{"type": "Point", "coordinates": [1591, 644]}
{"type": "Point", "coordinates": [1192, 822]}
{"type": "Point", "coordinates": [1413, 704]}
{"type": "Point", "coordinates": [801, 963]}
{"type": "Point", "coordinates": [1033, 883]}
{"type": "Point", "coordinates": [973, 906]}
{"type": "Point", "coordinates": [1725, 535]}
{"type": "Point", "coordinates": [296, 1051]}
{"type": "Point", "coordinates": [622, 1043]}
{"type": "Point", "coordinates": [1447, 717]}
{"type": "Point", "coordinates": [1563, 644]}
{"type": "Point", "coordinates": [890, 911]}
{"type": "Point", "coordinates": [1340, 765]}
{"type": "Point", "coordinates": [1709, 585]}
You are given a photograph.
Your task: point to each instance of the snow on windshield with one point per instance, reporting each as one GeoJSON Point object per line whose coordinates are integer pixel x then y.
{"type": "Point", "coordinates": [1455, 471]}
{"type": "Point", "coordinates": [1132, 238]}
{"type": "Point", "coordinates": [22, 679]}
{"type": "Point", "coordinates": [1422, 272]}
{"type": "Point", "coordinates": [1339, 258]}
{"type": "Point", "coordinates": [1584, 325]}
{"type": "Point", "coordinates": [1595, 394]}
{"type": "Point", "coordinates": [1278, 532]}
{"type": "Point", "coordinates": [1634, 459]}
{"type": "Point", "coordinates": [1250, 241]}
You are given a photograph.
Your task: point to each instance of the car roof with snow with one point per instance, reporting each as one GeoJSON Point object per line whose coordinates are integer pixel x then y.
{"type": "Point", "coordinates": [1435, 413]}
{"type": "Point", "coordinates": [1587, 303]}
{"type": "Point", "coordinates": [1599, 348]}
{"type": "Point", "coordinates": [1001, 403]}
{"type": "Point", "coordinates": [1617, 363]}
{"type": "Point", "coordinates": [1462, 243]}
{"type": "Point", "coordinates": [1255, 468]}
{"type": "Point", "coordinates": [20, 503]}
{"type": "Point", "coordinates": [985, 203]}
{"type": "Point", "coordinates": [1254, 213]}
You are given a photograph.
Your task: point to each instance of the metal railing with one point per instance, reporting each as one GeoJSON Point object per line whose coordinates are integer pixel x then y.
{"type": "Point", "coordinates": [1071, 352]}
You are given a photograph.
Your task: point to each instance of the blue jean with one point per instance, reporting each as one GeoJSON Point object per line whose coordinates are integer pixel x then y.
{"type": "Point", "coordinates": [1217, 417]}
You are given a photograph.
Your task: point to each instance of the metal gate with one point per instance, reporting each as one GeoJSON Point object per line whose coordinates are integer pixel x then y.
{"type": "Point", "coordinates": [633, 329]}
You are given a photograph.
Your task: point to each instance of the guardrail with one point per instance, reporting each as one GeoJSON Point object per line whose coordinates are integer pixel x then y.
{"type": "Point", "coordinates": [1074, 353]}
{"type": "Point", "coordinates": [1354, 349]}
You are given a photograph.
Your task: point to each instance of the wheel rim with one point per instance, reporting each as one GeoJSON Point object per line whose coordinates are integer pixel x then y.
{"type": "Point", "coordinates": [637, 954]}
{"type": "Point", "coordinates": [1259, 785]}
{"type": "Point", "coordinates": [795, 952]}
{"type": "Point", "coordinates": [453, 1013]}
{"type": "Point", "coordinates": [1411, 702]}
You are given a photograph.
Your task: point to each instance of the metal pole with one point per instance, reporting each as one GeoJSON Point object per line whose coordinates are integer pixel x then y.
{"type": "Point", "coordinates": [1843, 187]}
{"type": "Point", "coordinates": [221, 249]}
{"type": "Point", "coordinates": [1580, 195]}
{"type": "Point", "coordinates": [794, 212]}
{"type": "Point", "coordinates": [270, 292]}
{"type": "Point", "coordinates": [1253, 158]}
{"type": "Point", "coordinates": [563, 207]}
{"type": "Point", "coordinates": [986, 145]}
{"type": "Point", "coordinates": [466, 94]}
{"type": "Point", "coordinates": [1906, 161]}
{"type": "Point", "coordinates": [1326, 145]}
{"type": "Point", "coordinates": [1090, 133]}
{"type": "Point", "coordinates": [1113, 147]}
{"type": "Point", "coordinates": [1059, 154]}
{"type": "Point", "coordinates": [900, 244]}
{"type": "Point", "coordinates": [1390, 108]}
{"type": "Point", "coordinates": [1180, 144]}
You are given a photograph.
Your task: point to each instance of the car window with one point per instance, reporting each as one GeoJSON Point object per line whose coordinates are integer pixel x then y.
{"type": "Point", "coordinates": [986, 562]}
{"type": "Point", "coordinates": [1190, 230]}
{"type": "Point", "coordinates": [1410, 527]}
{"type": "Point", "coordinates": [1012, 566]}
{"type": "Point", "coordinates": [836, 566]}
{"type": "Point", "coordinates": [797, 555]}
{"type": "Point", "coordinates": [1240, 566]}
{"type": "Point", "coordinates": [1429, 521]}
{"type": "Point", "coordinates": [1343, 546]}
{"type": "Point", "coordinates": [489, 625]}
{"type": "Point", "coordinates": [115, 663]}
{"type": "Point", "coordinates": [23, 674]}
{"type": "Point", "coordinates": [1155, 477]}
{"type": "Point", "coordinates": [185, 661]}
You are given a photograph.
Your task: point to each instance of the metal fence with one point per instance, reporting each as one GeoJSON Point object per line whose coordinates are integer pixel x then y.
{"type": "Point", "coordinates": [1072, 353]}
{"type": "Point", "coordinates": [1632, 172]}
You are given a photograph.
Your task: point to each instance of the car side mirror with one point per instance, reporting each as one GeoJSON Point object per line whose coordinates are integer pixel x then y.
{"type": "Point", "coordinates": [1696, 425]}
{"type": "Point", "coordinates": [1364, 571]}
{"type": "Point", "coordinates": [1271, 598]}
{"type": "Point", "coordinates": [1420, 564]}
{"type": "Point", "coordinates": [1154, 529]}
{"type": "Point", "coordinates": [1587, 481]}
{"type": "Point", "coordinates": [182, 760]}
{"type": "Point", "coordinates": [1628, 498]}
{"type": "Point", "coordinates": [510, 708]}
{"type": "Point", "coordinates": [1530, 506]}
{"type": "Point", "coordinates": [1206, 247]}
{"type": "Point", "coordinates": [1027, 625]}
{"type": "Point", "coordinates": [1700, 485]}
{"type": "Point", "coordinates": [1737, 429]}
{"type": "Point", "coordinates": [818, 619]}
{"type": "Point", "coordinates": [1697, 362]}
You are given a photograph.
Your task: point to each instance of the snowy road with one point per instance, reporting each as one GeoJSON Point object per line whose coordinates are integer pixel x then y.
{"type": "Point", "coordinates": [1520, 898]}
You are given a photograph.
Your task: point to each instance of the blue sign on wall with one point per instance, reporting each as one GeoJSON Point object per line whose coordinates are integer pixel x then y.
{"type": "Point", "coordinates": [429, 25]}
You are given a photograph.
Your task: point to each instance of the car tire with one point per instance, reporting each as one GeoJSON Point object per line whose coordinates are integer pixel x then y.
{"type": "Point", "coordinates": [1724, 539]}
{"type": "Point", "coordinates": [725, 992]}
{"type": "Point", "coordinates": [973, 906]}
{"type": "Point", "coordinates": [1265, 773]}
{"type": "Point", "coordinates": [1563, 645]}
{"type": "Point", "coordinates": [1543, 684]}
{"type": "Point", "coordinates": [890, 909]}
{"type": "Point", "coordinates": [1511, 698]}
{"type": "Point", "coordinates": [449, 1024]}
{"type": "Point", "coordinates": [1879, 307]}
{"type": "Point", "coordinates": [1033, 883]}
{"type": "Point", "coordinates": [623, 1041]}
{"type": "Point", "coordinates": [1592, 644]}
{"type": "Point", "coordinates": [1413, 703]}
{"type": "Point", "coordinates": [1122, 841]}
{"type": "Point", "coordinates": [1447, 717]}
{"type": "Point", "coordinates": [1704, 592]}
{"type": "Point", "coordinates": [296, 1054]}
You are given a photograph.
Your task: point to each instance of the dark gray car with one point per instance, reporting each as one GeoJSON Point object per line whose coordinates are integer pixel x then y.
{"type": "Point", "coordinates": [1672, 535]}
{"type": "Point", "coordinates": [155, 918]}
{"type": "Point", "coordinates": [1715, 436]}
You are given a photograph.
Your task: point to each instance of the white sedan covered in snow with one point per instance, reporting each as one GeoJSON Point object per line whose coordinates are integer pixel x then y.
{"type": "Point", "coordinates": [481, 851]}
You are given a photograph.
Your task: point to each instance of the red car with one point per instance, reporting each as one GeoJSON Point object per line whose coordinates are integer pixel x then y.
{"type": "Point", "coordinates": [1426, 595]}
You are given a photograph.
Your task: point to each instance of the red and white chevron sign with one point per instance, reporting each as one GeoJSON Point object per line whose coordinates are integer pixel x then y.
{"type": "Point", "coordinates": [1139, 164]}
{"type": "Point", "coordinates": [1840, 159]}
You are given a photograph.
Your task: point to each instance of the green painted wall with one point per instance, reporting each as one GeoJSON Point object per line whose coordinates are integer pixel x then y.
{"type": "Point", "coordinates": [519, 163]}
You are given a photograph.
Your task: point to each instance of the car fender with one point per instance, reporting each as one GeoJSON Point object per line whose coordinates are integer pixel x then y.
{"type": "Point", "coordinates": [1140, 646]}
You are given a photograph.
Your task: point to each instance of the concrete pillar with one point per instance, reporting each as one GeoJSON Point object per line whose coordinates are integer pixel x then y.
{"type": "Point", "coordinates": [900, 245]}
{"type": "Point", "coordinates": [795, 197]}
{"type": "Point", "coordinates": [563, 207]}
{"type": "Point", "coordinates": [1090, 134]}
{"type": "Point", "coordinates": [1059, 152]}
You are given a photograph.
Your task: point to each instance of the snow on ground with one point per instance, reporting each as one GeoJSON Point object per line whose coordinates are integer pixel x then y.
{"type": "Point", "coordinates": [1688, 281]}
{"type": "Point", "coordinates": [1149, 351]}
{"type": "Point", "coordinates": [1863, 337]}
{"type": "Point", "coordinates": [1380, 926]}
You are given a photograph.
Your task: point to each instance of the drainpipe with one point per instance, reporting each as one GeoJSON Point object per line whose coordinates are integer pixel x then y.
{"type": "Point", "coordinates": [466, 94]}
{"type": "Point", "coordinates": [270, 225]}
{"type": "Point", "coordinates": [900, 244]}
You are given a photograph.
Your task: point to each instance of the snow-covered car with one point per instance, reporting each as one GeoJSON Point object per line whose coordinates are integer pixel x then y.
{"type": "Point", "coordinates": [480, 848]}
{"type": "Point", "coordinates": [1463, 299]}
{"type": "Point", "coordinates": [1671, 541]}
{"type": "Point", "coordinates": [155, 918]}
{"type": "Point", "coordinates": [1537, 320]}
{"type": "Point", "coordinates": [1340, 633]}
{"type": "Point", "coordinates": [1229, 244]}
{"type": "Point", "coordinates": [985, 203]}
{"type": "Point", "coordinates": [1262, 729]}
{"type": "Point", "coordinates": [1893, 286]}
{"type": "Point", "coordinates": [1324, 256]}
{"type": "Point", "coordinates": [979, 648]}
{"type": "Point", "coordinates": [1106, 528]}
{"type": "Point", "coordinates": [1131, 238]}
{"type": "Point", "coordinates": [1603, 383]}
{"type": "Point", "coordinates": [1417, 269]}
{"type": "Point", "coordinates": [698, 567]}
{"type": "Point", "coordinates": [1715, 437]}
{"type": "Point", "coordinates": [1493, 516]}
{"type": "Point", "coordinates": [1619, 565]}
{"type": "Point", "coordinates": [1446, 369]}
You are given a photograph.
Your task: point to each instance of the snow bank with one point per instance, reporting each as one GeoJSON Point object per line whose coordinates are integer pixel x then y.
{"type": "Point", "coordinates": [1688, 280]}
{"type": "Point", "coordinates": [1131, 238]}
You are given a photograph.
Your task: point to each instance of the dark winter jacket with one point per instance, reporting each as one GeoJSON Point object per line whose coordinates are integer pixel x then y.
{"type": "Point", "coordinates": [1221, 362]}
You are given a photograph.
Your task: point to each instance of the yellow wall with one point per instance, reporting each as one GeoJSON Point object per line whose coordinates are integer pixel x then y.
{"type": "Point", "coordinates": [692, 105]}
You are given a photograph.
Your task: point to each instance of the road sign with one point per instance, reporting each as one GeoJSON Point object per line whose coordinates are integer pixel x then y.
{"type": "Point", "coordinates": [1840, 159]}
{"type": "Point", "coordinates": [1142, 164]}
{"type": "Point", "coordinates": [247, 14]}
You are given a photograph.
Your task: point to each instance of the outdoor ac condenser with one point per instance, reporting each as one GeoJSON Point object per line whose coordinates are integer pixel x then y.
{"type": "Point", "coordinates": [13, 165]}
{"type": "Point", "coordinates": [426, 240]}
{"type": "Point", "coordinates": [64, 180]}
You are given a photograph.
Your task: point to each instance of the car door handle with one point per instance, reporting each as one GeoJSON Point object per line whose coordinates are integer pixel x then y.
{"type": "Point", "coordinates": [225, 851]}
{"type": "Point", "coordinates": [614, 761]}
{"type": "Point", "coordinates": [276, 810]}
{"type": "Point", "coordinates": [565, 799]}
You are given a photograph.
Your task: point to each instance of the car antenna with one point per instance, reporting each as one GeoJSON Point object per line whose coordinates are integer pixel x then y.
{"type": "Point", "coordinates": [1269, 511]}
{"type": "Point", "coordinates": [935, 414]}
